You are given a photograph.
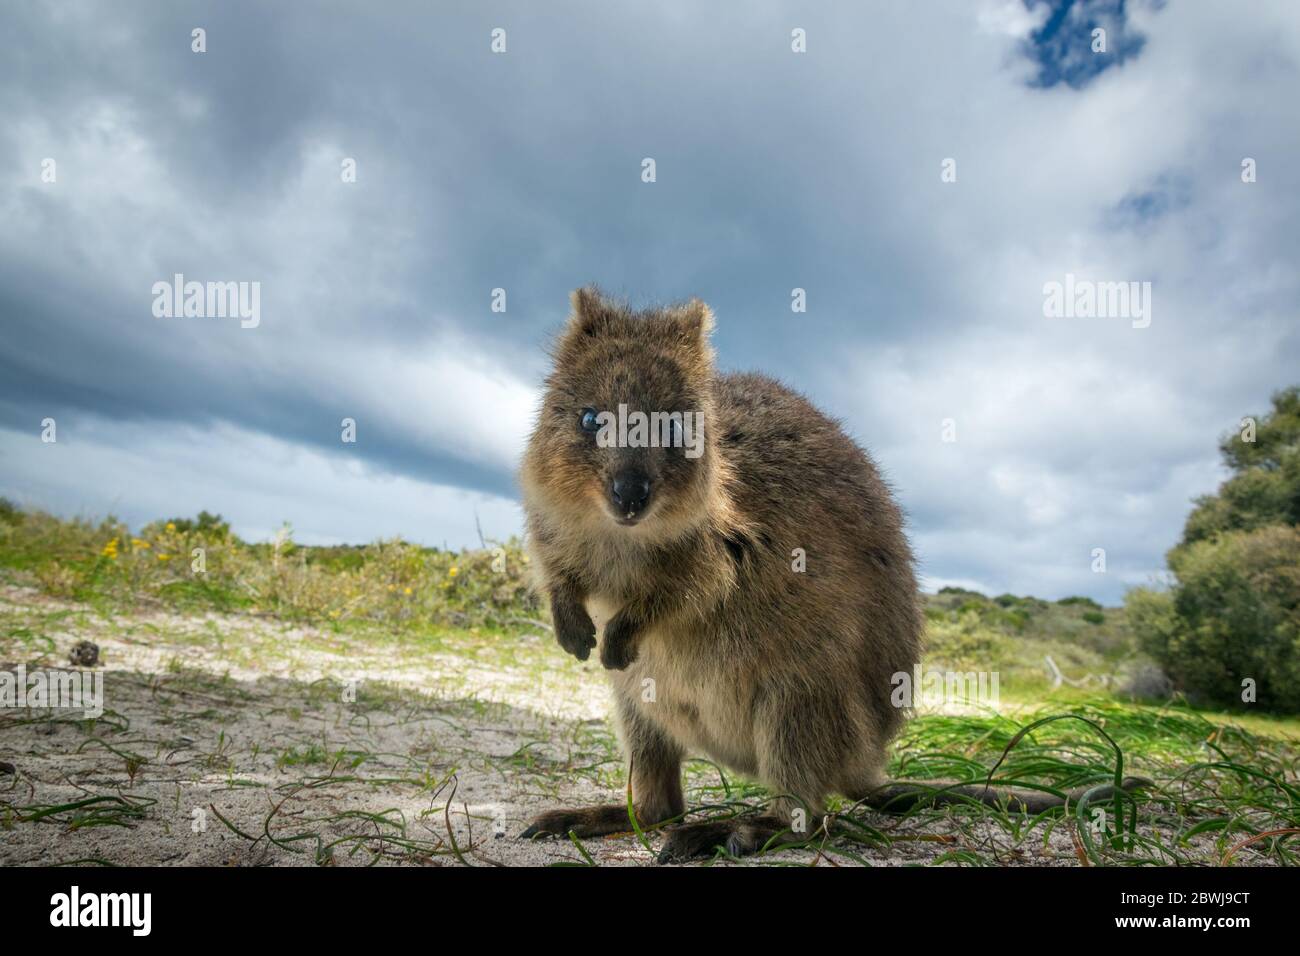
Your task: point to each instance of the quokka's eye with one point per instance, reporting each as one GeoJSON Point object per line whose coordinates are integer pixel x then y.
{"type": "Point", "coordinates": [588, 421]}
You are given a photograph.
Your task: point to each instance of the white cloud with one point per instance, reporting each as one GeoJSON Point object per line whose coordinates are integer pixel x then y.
{"type": "Point", "coordinates": [1010, 18]}
{"type": "Point", "coordinates": [147, 472]}
{"type": "Point", "coordinates": [1075, 433]}
{"type": "Point", "coordinates": [1072, 434]}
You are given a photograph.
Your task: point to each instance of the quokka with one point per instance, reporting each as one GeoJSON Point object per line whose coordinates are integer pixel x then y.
{"type": "Point", "coordinates": [752, 603]}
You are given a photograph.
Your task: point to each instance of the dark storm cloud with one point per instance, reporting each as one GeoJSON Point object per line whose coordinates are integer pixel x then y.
{"type": "Point", "coordinates": [774, 171]}
{"type": "Point", "coordinates": [518, 171]}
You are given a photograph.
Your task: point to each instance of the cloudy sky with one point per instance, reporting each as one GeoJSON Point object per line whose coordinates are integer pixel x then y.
{"type": "Point", "coordinates": [522, 170]}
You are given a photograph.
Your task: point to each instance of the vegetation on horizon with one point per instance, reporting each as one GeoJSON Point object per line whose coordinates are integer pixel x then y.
{"type": "Point", "coordinates": [398, 584]}
{"type": "Point", "coordinates": [199, 564]}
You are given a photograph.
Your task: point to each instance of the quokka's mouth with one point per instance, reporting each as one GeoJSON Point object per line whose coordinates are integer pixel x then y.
{"type": "Point", "coordinates": [629, 520]}
{"type": "Point", "coordinates": [626, 517]}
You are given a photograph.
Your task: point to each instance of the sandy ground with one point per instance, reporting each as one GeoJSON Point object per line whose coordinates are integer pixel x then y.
{"type": "Point", "coordinates": [233, 740]}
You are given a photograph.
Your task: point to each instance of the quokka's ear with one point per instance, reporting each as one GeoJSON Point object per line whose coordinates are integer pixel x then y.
{"type": "Point", "coordinates": [697, 317]}
{"type": "Point", "coordinates": [591, 313]}
{"type": "Point", "coordinates": [694, 322]}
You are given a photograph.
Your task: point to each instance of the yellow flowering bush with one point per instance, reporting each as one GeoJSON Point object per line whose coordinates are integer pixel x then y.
{"type": "Point", "coordinates": [201, 563]}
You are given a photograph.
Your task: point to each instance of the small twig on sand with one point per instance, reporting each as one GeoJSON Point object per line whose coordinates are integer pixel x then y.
{"type": "Point", "coordinates": [528, 620]}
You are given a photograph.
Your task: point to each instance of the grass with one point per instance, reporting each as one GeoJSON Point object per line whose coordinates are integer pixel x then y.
{"type": "Point", "coordinates": [1209, 780]}
{"type": "Point", "coordinates": [1218, 792]}
{"type": "Point", "coordinates": [1224, 790]}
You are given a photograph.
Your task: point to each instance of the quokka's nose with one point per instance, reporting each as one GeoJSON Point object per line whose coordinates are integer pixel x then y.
{"type": "Point", "coordinates": [630, 493]}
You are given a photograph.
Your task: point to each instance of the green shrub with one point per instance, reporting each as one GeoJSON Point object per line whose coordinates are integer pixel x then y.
{"type": "Point", "coordinates": [1265, 485]}
{"type": "Point", "coordinates": [9, 513]}
{"type": "Point", "coordinates": [209, 525]}
{"type": "Point", "coordinates": [1234, 614]}
{"type": "Point", "coordinates": [1017, 620]}
{"type": "Point", "coordinates": [962, 642]}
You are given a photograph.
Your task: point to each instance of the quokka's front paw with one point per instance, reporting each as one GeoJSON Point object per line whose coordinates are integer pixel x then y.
{"type": "Point", "coordinates": [618, 650]}
{"type": "Point", "coordinates": [575, 631]}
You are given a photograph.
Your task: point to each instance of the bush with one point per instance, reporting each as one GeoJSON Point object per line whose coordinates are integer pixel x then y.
{"type": "Point", "coordinates": [206, 524]}
{"type": "Point", "coordinates": [9, 513]}
{"type": "Point", "coordinates": [962, 642]}
{"type": "Point", "coordinates": [1016, 620]}
{"type": "Point", "coordinates": [1234, 614]}
{"type": "Point", "coordinates": [1148, 682]}
{"type": "Point", "coordinates": [1265, 486]}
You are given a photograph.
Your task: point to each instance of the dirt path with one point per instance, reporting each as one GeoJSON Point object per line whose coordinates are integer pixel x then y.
{"type": "Point", "coordinates": [288, 745]}
{"type": "Point", "coordinates": [232, 740]}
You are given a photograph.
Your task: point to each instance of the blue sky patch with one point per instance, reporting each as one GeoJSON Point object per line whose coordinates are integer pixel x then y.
{"type": "Point", "coordinates": [1063, 46]}
{"type": "Point", "coordinates": [1142, 208]}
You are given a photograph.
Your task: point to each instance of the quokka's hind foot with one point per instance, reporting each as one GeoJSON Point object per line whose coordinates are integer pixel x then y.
{"type": "Point", "coordinates": [582, 822]}
{"type": "Point", "coordinates": [692, 840]}
{"type": "Point", "coordinates": [739, 837]}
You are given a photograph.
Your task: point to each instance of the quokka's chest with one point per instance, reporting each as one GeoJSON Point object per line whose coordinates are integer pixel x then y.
{"type": "Point", "coordinates": [690, 694]}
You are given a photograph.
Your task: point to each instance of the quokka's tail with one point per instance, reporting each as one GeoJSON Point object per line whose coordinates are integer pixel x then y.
{"type": "Point", "coordinates": [896, 797]}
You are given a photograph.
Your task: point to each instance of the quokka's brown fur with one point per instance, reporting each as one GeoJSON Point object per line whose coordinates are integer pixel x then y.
{"type": "Point", "coordinates": [713, 641]}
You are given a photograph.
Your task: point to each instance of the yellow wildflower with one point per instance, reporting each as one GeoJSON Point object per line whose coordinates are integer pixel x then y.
{"type": "Point", "coordinates": [139, 543]}
{"type": "Point", "coordinates": [406, 590]}
{"type": "Point", "coordinates": [453, 572]}
{"type": "Point", "coordinates": [171, 526]}
{"type": "Point", "coordinates": [164, 557]}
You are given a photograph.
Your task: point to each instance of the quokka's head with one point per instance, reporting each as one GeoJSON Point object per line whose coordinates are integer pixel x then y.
{"type": "Point", "coordinates": [624, 434]}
